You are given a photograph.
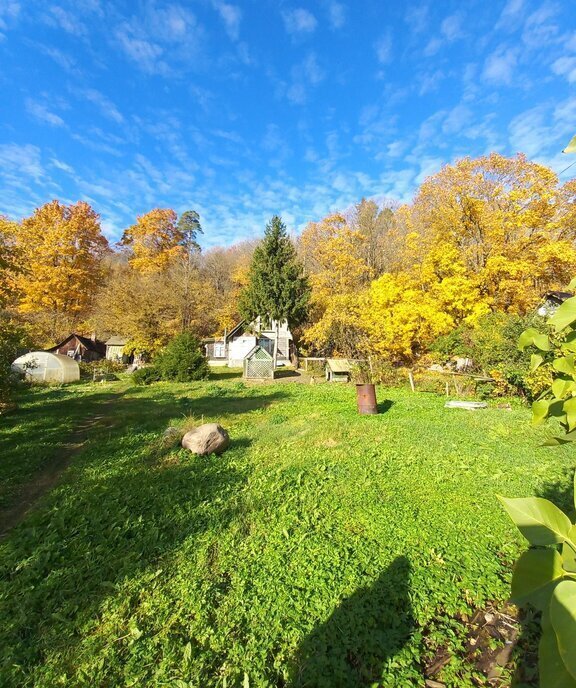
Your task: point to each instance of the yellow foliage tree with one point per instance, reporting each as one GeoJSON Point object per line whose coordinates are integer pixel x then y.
{"type": "Point", "coordinates": [154, 241]}
{"type": "Point", "coordinates": [60, 250]}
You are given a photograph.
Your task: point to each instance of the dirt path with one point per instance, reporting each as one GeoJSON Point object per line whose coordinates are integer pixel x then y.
{"type": "Point", "coordinates": [50, 476]}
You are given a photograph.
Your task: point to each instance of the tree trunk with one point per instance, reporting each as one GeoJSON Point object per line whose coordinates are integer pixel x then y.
{"type": "Point", "coordinates": [276, 346]}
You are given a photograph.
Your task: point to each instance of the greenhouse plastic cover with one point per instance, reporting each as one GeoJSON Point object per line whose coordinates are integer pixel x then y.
{"type": "Point", "coordinates": [41, 366]}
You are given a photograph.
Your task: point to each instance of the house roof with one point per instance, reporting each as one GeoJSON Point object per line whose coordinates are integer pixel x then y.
{"type": "Point", "coordinates": [255, 349]}
{"type": "Point", "coordinates": [558, 297]}
{"type": "Point", "coordinates": [90, 344]}
{"type": "Point", "coordinates": [338, 365]}
{"type": "Point", "coordinates": [116, 340]}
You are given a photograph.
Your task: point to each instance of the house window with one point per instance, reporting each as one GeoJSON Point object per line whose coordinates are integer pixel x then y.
{"type": "Point", "coordinates": [219, 350]}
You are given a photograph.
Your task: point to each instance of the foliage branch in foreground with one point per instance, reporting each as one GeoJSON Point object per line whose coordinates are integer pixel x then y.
{"type": "Point", "coordinates": [557, 348]}
{"type": "Point", "coordinates": [545, 575]}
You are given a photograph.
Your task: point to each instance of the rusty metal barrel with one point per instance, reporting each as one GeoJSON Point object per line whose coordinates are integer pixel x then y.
{"type": "Point", "coordinates": [366, 398]}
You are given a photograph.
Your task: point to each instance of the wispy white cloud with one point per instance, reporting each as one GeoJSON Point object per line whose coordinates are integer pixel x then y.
{"type": "Point", "coordinates": [417, 18]}
{"type": "Point", "coordinates": [163, 39]}
{"type": "Point", "coordinates": [540, 27]}
{"type": "Point", "coordinates": [107, 107]}
{"type": "Point", "coordinates": [16, 160]}
{"type": "Point", "coordinates": [231, 16]}
{"type": "Point", "coordinates": [41, 113]}
{"type": "Point", "coordinates": [67, 62]}
{"type": "Point", "coordinates": [9, 12]}
{"type": "Point", "coordinates": [299, 22]}
{"type": "Point", "coordinates": [451, 27]}
{"type": "Point", "coordinates": [500, 65]}
{"type": "Point", "coordinates": [384, 48]}
{"type": "Point", "coordinates": [336, 15]}
{"type": "Point", "coordinates": [307, 73]}
{"type": "Point", "coordinates": [59, 165]}
{"type": "Point", "coordinates": [510, 16]}
{"type": "Point", "coordinates": [144, 52]}
{"type": "Point", "coordinates": [457, 119]}
{"type": "Point", "coordinates": [65, 20]}
{"type": "Point", "coordinates": [565, 66]}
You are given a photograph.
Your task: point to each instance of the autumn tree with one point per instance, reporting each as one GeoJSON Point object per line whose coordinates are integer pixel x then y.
{"type": "Point", "coordinates": [334, 256]}
{"type": "Point", "coordinates": [61, 249]}
{"type": "Point", "coordinates": [154, 241]}
{"type": "Point", "coordinates": [277, 289]}
{"type": "Point", "coordinates": [376, 224]}
{"type": "Point", "coordinates": [506, 220]}
{"type": "Point", "coordinates": [9, 259]}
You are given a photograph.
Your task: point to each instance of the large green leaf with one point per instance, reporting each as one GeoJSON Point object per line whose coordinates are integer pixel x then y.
{"type": "Point", "coordinates": [553, 672]}
{"type": "Point", "coordinates": [568, 553]}
{"type": "Point", "coordinates": [570, 409]}
{"type": "Point", "coordinates": [569, 343]}
{"type": "Point", "coordinates": [564, 315]}
{"type": "Point", "coordinates": [539, 521]}
{"type": "Point", "coordinates": [563, 618]}
{"type": "Point", "coordinates": [539, 411]}
{"type": "Point", "coordinates": [535, 362]}
{"type": "Point", "coordinates": [571, 148]}
{"type": "Point", "coordinates": [536, 573]}
{"type": "Point", "coordinates": [561, 387]}
{"type": "Point", "coordinates": [565, 365]}
{"type": "Point", "coordinates": [562, 439]}
{"type": "Point", "coordinates": [533, 337]}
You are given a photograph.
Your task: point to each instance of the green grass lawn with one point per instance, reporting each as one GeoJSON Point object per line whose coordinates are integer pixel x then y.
{"type": "Point", "coordinates": [322, 549]}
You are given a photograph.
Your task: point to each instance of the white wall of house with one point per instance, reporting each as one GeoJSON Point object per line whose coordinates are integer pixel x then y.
{"type": "Point", "coordinates": [238, 349]}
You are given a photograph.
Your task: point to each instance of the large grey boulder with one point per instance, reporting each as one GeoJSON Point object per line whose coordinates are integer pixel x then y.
{"type": "Point", "coordinates": [210, 438]}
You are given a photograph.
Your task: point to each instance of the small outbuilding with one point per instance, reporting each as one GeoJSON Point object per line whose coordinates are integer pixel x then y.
{"type": "Point", "coordinates": [43, 366]}
{"type": "Point", "coordinates": [258, 364]}
{"type": "Point", "coordinates": [115, 349]}
{"type": "Point", "coordinates": [338, 370]}
{"type": "Point", "coordinates": [80, 348]}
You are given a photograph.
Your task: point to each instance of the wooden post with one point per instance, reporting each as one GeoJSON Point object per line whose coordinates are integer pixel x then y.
{"type": "Point", "coordinates": [411, 378]}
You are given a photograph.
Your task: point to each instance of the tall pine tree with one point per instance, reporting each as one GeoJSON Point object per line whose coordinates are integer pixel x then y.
{"type": "Point", "coordinates": [277, 289]}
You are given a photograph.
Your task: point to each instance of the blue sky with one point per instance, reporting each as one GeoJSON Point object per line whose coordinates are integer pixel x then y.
{"type": "Point", "coordinates": [240, 110]}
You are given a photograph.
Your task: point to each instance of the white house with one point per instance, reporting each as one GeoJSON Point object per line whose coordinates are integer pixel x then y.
{"type": "Point", "coordinates": [234, 346]}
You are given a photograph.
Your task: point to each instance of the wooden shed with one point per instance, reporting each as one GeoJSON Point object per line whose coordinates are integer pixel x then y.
{"type": "Point", "coordinates": [338, 370]}
{"type": "Point", "coordinates": [80, 348]}
{"type": "Point", "coordinates": [258, 364]}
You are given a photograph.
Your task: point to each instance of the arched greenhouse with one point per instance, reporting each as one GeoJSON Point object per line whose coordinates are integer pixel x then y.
{"type": "Point", "coordinates": [41, 366]}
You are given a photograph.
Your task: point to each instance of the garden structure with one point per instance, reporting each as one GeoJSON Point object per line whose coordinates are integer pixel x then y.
{"type": "Point", "coordinates": [42, 366]}
{"type": "Point", "coordinates": [258, 364]}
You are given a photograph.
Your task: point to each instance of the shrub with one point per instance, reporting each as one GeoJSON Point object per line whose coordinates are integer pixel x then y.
{"type": "Point", "coordinates": [182, 360]}
{"type": "Point", "coordinates": [146, 376]}
{"type": "Point", "coordinates": [88, 368]}
{"type": "Point", "coordinates": [12, 343]}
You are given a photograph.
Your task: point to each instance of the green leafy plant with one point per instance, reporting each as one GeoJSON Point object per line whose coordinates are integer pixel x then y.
{"type": "Point", "coordinates": [146, 376]}
{"type": "Point", "coordinates": [545, 575]}
{"type": "Point", "coordinates": [555, 348]}
{"type": "Point", "coordinates": [182, 360]}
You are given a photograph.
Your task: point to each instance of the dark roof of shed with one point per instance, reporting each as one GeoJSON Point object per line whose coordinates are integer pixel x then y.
{"type": "Point", "coordinates": [92, 345]}
{"type": "Point", "coordinates": [558, 296]}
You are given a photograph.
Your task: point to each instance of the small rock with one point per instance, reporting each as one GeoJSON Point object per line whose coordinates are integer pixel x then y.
{"type": "Point", "coordinates": [210, 438]}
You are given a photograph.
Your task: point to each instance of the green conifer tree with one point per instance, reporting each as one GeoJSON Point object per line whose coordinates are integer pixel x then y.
{"type": "Point", "coordinates": [277, 289]}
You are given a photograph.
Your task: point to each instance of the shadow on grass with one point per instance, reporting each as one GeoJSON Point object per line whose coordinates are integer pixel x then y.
{"type": "Point", "coordinates": [223, 373]}
{"type": "Point", "coordinates": [367, 629]}
{"type": "Point", "coordinates": [283, 373]}
{"type": "Point", "coordinates": [385, 405]}
{"type": "Point", "coordinates": [227, 404]}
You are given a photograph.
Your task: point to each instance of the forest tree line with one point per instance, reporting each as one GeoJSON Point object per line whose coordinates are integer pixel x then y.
{"type": "Point", "coordinates": [486, 235]}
